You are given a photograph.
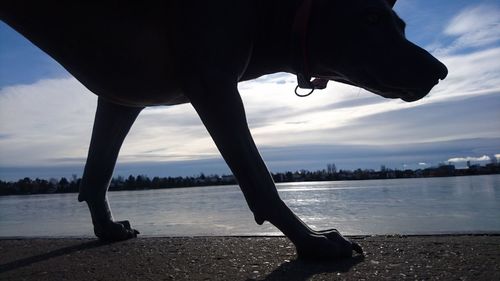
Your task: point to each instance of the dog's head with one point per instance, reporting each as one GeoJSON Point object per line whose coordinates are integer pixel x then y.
{"type": "Point", "coordinates": [363, 43]}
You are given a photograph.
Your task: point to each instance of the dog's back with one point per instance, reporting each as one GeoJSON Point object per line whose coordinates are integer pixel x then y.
{"type": "Point", "coordinates": [109, 47]}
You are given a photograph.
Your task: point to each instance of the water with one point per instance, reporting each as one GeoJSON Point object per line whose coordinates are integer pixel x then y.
{"type": "Point", "coordinates": [406, 206]}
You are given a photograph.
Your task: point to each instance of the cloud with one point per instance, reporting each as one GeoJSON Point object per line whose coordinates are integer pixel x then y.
{"type": "Point", "coordinates": [469, 158]}
{"type": "Point", "coordinates": [473, 74]}
{"type": "Point", "coordinates": [50, 122]}
{"type": "Point", "coordinates": [473, 19]}
{"type": "Point", "coordinates": [48, 119]}
{"type": "Point", "coordinates": [472, 117]}
{"type": "Point", "coordinates": [473, 27]}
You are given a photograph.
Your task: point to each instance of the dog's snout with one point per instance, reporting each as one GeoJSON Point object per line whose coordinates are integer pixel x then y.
{"type": "Point", "coordinates": [443, 71]}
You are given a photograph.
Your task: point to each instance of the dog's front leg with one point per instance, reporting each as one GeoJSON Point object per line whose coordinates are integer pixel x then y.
{"type": "Point", "coordinates": [220, 107]}
{"type": "Point", "coordinates": [111, 125]}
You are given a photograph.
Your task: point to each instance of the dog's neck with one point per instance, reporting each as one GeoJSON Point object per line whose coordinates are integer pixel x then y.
{"type": "Point", "coordinates": [273, 44]}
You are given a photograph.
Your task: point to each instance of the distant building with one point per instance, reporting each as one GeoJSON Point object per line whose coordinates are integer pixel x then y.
{"type": "Point", "coordinates": [493, 160]}
{"type": "Point", "coordinates": [475, 167]}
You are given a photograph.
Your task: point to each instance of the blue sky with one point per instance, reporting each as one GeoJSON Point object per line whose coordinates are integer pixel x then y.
{"type": "Point", "coordinates": [46, 115]}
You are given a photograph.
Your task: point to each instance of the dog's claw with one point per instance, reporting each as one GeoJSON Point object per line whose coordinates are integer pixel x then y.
{"type": "Point", "coordinates": [357, 248]}
{"type": "Point", "coordinates": [127, 226]}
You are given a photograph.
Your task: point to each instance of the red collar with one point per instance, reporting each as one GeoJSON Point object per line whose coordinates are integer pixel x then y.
{"type": "Point", "coordinates": [299, 45]}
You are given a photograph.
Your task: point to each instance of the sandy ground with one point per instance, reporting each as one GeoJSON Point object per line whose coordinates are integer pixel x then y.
{"type": "Point", "coordinates": [471, 257]}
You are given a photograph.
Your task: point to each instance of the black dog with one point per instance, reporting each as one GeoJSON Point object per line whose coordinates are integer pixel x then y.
{"type": "Point", "coordinates": [178, 51]}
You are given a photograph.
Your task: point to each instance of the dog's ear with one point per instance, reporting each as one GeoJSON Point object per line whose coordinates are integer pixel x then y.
{"type": "Point", "coordinates": [391, 2]}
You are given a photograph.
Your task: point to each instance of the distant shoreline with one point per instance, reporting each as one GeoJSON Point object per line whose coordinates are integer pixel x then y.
{"type": "Point", "coordinates": [28, 186]}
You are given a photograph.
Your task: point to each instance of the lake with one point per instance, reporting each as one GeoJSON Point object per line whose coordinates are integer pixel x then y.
{"type": "Point", "coordinates": [404, 206]}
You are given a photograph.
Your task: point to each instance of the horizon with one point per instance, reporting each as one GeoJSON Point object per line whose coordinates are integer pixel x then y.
{"type": "Point", "coordinates": [381, 169]}
{"type": "Point", "coordinates": [46, 115]}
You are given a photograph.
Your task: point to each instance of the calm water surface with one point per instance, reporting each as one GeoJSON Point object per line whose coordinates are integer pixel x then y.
{"type": "Point", "coordinates": [406, 206]}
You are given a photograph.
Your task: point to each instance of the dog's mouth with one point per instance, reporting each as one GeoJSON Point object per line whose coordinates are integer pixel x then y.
{"type": "Point", "coordinates": [408, 94]}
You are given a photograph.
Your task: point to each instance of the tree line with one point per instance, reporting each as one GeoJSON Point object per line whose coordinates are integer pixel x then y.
{"type": "Point", "coordinates": [141, 182]}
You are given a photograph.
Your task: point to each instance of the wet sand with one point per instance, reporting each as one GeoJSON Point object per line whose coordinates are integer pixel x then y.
{"type": "Point", "coordinates": [444, 257]}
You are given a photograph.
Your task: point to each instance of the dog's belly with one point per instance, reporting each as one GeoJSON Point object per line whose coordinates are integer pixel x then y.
{"type": "Point", "coordinates": [137, 80]}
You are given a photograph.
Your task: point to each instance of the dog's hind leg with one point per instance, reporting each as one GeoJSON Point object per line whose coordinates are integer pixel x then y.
{"type": "Point", "coordinates": [111, 125]}
{"type": "Point", "coordinates": [221, 110]}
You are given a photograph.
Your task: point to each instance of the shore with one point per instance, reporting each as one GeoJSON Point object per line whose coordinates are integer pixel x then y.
{"type": "Point", "coordinates": [442, 257]}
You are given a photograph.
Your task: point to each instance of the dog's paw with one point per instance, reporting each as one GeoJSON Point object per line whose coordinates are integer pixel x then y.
{"type": "Point", "coordinates": [115, 231]}
{"type": "Point", "coordinates": [328, 244]}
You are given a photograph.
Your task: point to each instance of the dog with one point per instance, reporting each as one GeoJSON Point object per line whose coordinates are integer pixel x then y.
{"type": "Point", "coordinates": [147, 53]}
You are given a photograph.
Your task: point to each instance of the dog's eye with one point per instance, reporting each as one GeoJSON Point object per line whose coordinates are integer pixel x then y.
{"type": "Point", "coordinates": [373, 18]}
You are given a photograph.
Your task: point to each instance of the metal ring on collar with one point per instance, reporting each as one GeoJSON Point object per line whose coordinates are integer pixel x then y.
{"type": "Point", "coordinates": [303, 96]}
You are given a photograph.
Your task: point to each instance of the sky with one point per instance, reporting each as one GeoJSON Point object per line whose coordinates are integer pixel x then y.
{"type": "Point", "coordinates": [46, 115]}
